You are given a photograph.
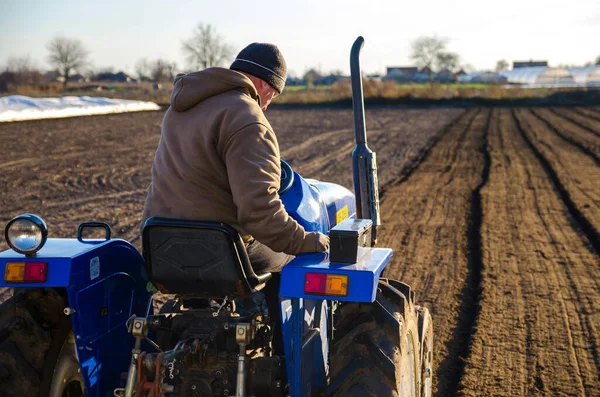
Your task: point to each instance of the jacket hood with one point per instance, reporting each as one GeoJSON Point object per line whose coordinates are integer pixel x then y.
{"type": "Point", "coordinates": [192, 88]}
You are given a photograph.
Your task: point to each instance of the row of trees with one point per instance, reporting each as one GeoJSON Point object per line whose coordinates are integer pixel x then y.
{"type": "Point", "coordinates": [68, 56]}
{"type": "Point", "coordinates": [21, 72]}
{"type": "Point", "coordinates": [206, 47]}
{"type": "Point", "coordinates": [431, 52]}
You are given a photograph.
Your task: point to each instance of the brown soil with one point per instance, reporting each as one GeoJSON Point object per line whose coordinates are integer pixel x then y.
{"type": "Point", "coordinates": [493, 215]}
{"type": "Point", "coordinates": [537, 331]}
{"type": "Point", "coordinates": [425, 219]}
{"type": "Point", "coordinates": [98, 167]}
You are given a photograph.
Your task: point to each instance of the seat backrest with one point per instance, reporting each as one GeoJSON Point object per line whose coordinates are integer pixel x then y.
{"type": "Point", "coordinates": [200, 258]}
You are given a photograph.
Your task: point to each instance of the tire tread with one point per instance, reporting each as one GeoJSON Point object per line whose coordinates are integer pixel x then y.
{"type": "Point", "coordinates": [365, 354]}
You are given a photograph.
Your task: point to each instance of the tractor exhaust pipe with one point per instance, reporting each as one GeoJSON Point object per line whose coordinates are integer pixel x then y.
{"type": "Point", "coordinates": [364, 167]}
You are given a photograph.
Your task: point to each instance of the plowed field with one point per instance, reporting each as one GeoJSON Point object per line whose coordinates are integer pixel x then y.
{"type": "Point", "coordinates": [493, 215]}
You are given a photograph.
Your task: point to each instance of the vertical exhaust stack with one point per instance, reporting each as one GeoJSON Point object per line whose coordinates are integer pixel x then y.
{"type": "Point", "coordinates": [364, 167]}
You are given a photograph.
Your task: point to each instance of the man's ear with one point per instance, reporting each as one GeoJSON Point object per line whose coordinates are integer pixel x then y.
{"type": "Point", "coordinates": [262, 85]}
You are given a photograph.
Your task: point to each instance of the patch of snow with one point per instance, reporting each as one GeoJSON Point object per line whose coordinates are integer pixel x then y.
{"type": "Point", "coordinates": [19, 107]}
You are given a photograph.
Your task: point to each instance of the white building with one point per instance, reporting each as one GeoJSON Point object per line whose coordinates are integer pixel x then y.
{"type": "Point", "coordinates": [589, 75]}
{"type": "Point", "coordinates": [539, 75]}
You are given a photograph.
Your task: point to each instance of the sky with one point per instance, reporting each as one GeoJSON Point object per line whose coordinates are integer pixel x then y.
{"type": "Point", "coordinates": [309, 33]}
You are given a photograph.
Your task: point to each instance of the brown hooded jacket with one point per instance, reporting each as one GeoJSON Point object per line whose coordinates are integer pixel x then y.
{"type": "Point", "coordinates": [218, 159]}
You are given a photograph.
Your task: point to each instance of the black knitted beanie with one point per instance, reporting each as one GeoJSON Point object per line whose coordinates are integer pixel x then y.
{"type": "Point", "coordinates": [264, 61]}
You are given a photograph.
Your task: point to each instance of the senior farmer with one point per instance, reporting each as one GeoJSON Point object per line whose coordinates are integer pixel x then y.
{"type": "Point", "coordinates": [218, 158]}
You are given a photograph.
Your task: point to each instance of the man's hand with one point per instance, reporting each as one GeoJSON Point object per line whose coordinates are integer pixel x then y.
{"type": "Point", "coordinates": [315, 242]}
{"type": "Point", "coordinates": [322, 242]}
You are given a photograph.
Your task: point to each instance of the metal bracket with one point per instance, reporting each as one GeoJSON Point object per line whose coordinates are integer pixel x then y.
{"type": "Point", "coordinates": [139, 328]}
{"type": "Point", "coordinates": [244, 333]}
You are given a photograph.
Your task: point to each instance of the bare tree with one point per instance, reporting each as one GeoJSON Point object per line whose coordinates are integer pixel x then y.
{"type": "Point", "coordinates": [426, 49]}
{"type": "Point", "coordinates": [142, 69]}
{"type": "Point", "coordinates": [162, 70]}
{"type": "Point", "coordinates": [159, 70]}
{"type": "Point", "coordinates": [17, 64]}
{"type": "Point", "coordinates": [447, 60]}
{"type": "Point", "coordinates": [67, 55]}
{"type": "Point", "coordinates": [598, 60]}
{"type": "Point", "coordinates": [21, 71]}
{"type": "Point", "coordinates": [24, 71]}
{"type": "Point", "coordinates": [206, 48]}
{"type": "Point", "coordinates": [501, 65]}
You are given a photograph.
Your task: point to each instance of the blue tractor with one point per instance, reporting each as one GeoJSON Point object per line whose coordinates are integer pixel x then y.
{"type": "Point", "coordinates": [81, 321]}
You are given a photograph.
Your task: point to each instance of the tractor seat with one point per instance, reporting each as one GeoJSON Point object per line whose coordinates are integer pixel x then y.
{"type": "Point", "coordinates": [201, 258]}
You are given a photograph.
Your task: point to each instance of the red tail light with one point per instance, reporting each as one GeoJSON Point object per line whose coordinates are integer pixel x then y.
{"type": "Point", "coordinates": [326, 284]}
{"type": "Point", "coordinates": [315, 283]}
{"type": "Point", "coordinates": [36, 271]}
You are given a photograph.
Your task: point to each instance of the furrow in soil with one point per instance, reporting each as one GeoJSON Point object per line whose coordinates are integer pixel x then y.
{"type": "Point", "coordinates": [536, 332]}
{"type": "Point", "coordinates": [425, 220]}
{"type": "Point", "coordinates": [587, 143]}
{"type": "Point", "coordinates": [576, 177]}
{"type": "Point", "coordinates": [585, 123]}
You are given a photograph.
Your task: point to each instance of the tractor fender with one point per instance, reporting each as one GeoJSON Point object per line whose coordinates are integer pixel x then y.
{"type": "Point", "coordinates": [104, 283]}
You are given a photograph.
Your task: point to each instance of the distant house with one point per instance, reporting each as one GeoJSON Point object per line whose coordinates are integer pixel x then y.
{"type": "Point", "coordinates": [528, 64]}
{"type": "Point", "coordinates": [444, 76]}
{"type": "Point", "coordinates": [55, 77]}
{"type": "Point", "coordinates": [330, 79]}
{"type": "Point", "coordinates": [405, 74]}
{"type": "Point", "coordinates": [426, 70]}
{"type": "Point", "coordinates": [294, 81]}
{"type": "Point", "coordinates": [312, 77]}
{"type": "Point", "coordinates": [119, 77]}
{"type": "Point", "coordinates": [77, 78]}
{"type": "Point", "coordinates": [482, 77]}
{"type": "Point", "coordinates": [408, 71]}
{"type": "Point", "coordinates": [412, 74]}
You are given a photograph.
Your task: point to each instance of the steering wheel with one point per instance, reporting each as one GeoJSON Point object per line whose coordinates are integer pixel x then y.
{"type": "Point", "coordinates": [287, 177]}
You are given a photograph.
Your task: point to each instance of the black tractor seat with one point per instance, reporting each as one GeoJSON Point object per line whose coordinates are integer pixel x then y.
{"type": "Point", "coordinates": [200, 258]}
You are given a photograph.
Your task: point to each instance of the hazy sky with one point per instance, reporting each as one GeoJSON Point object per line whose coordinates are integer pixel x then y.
{"type": "Point", "coordinates": [309, 33]}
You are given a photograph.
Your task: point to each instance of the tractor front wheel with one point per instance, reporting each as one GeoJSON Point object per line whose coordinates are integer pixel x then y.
{"type": "Point", "coordinates": [376, 349]}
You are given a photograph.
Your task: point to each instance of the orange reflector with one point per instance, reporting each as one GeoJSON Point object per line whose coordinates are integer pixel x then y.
{"type": "Point", "coordinates": [25, 272]}
{"type": "Point", "coordinates": [15, 272]}
{"type": "Point", "coordinates": [326, 284]}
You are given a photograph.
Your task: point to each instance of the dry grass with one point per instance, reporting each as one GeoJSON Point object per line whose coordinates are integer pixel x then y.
{"type": "Point", "coordinates": [338, 92]}
{"type": "Point", "coordinates": [389, 90]}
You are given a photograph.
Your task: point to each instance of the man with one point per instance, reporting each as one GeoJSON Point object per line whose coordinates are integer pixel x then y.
{"type": "Point", "coordinates": [218, 158]}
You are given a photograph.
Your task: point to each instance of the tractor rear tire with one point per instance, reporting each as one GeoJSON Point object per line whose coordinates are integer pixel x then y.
{"type": "Point", "coordinates": [33, 331]}
{"type": "Point", "coordinates": [376, 349]}
{"type": "Point", "coordinates": [64, 372]}
{"type": "Point", "coordinates": [426, 338]}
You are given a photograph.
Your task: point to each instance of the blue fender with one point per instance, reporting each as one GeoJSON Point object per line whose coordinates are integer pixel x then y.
{"type": "Point", "coordinates": [106, 283]}
{"type": "Point", "coordinates": [307, 320]}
